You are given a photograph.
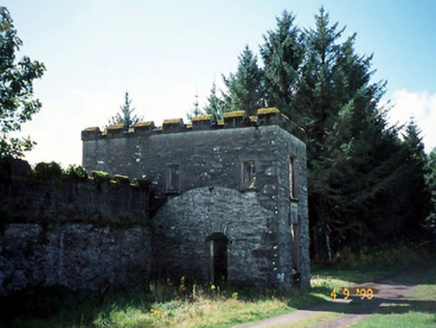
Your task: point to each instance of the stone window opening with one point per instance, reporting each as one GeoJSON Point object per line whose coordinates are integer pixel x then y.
{"type": "Point", "coordinates": [292, 190]}
{"type": "Point", "coordinates": [217, 244]}
{"type": "Point", "coordinates": [248, 175]}
{"type": "Point", "coordinates": [173, 184]}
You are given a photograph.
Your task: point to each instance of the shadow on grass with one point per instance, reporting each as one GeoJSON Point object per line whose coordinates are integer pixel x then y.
{"type": "Point", "coordinates": [379, 306]}
{"type": "Point", "coordinates": [68, 307]}
{"type": "Point", "coordinates": [392, 299]}
{"type": "Point", "coordinates": [43, 307]}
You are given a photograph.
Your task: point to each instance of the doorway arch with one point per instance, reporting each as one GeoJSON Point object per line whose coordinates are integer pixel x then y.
{"type": "Point", "coordinates": [217, 244]}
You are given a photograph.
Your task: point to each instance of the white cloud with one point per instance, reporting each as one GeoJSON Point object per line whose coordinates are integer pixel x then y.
{"type": "Point", "coordinates": [422, 107]}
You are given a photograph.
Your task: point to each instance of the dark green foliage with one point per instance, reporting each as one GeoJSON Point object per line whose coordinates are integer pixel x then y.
{"type": "Point", "coordinates": [416, 196]}
{"type": "Point", "coordinates": [16, 89]}
{"type": "Point", "coordinates": [430, 179]}
{"type": "Point", "coordinates": [77, 173]}
{"type": "Point", "coordinates": [245, 88]}
{"type": "Point", "coordinates": [215, 104]}
{"type": "Point", "coordinates": [382, 256]}
{"type": "Point", "coordinates": [366, 185]}
{"type": "Point", "coordinates": [126, 116]}
{"type": "Point", "coordinates": [282, 55]}
{"type": "Point", "coordinates": [352, 156]}
{"type": "Point", "coordinates": [47, 171]}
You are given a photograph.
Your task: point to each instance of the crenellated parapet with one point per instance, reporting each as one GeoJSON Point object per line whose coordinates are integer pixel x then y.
{"type": "Point", "coordinates": [236, 119]}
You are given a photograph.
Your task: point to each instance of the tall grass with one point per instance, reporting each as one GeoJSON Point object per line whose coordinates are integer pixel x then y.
{"type": "Point", "coordinates": [160, 305]}
{"type": "Point", "coordinates": [180, 305]}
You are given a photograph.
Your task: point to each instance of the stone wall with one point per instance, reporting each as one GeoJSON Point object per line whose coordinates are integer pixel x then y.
{"type": "Point", "coordinates": [184, 225]}
{"type": "Point", "coordinates": [211, 155]}
{"type": "Point", "coordinates": [77, 256]}
{"type": "Point", "coordinates": [65, 199]}
{"type": "Point", "coordinates": [76, 233]}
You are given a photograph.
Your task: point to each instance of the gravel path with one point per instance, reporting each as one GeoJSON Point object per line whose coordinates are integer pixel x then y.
{"type": "Point", "coordinates": [352, 310]}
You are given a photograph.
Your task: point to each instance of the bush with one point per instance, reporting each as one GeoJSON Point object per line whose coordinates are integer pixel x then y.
{"type": "Point", "coordinates": [77, 173]}
{"type": "Point", "coordinates": [348, 258]}
{"type": "Point", "coordinates": [384, 256]}
{"type": "Point", "coordinates": [47, 171]}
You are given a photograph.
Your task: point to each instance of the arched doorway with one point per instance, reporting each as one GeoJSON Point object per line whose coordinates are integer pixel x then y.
{"type": "Point", "coordinates": [217, 246]}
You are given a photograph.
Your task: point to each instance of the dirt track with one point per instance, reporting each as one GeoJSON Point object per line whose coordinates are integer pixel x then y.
{"type": "Point", "coordinates": [389, 294]}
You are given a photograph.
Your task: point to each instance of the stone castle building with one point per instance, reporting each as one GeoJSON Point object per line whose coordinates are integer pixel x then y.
{"type": "Point", "coordinates": [228, 199]}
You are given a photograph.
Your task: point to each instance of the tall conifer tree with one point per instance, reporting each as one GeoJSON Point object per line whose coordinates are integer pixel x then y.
{"type": "Point", "coordinates": [126, 116]}
{"type": "Point", "coordinates": [430, 179]}
{"type": "Point", "coordinates": [283, 54]}
{"type": "Point", "coordinates": [245, 88]}
{"type": "Point", "coordinates": [215, 104]}
{"type": "Point", "coordinates": [362, 178]}
{"type": "Point", "coordinates": [196, 111]}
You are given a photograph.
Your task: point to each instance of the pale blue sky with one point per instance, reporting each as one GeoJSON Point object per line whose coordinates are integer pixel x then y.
{"type": "Point", "coordinates": [163, 52]}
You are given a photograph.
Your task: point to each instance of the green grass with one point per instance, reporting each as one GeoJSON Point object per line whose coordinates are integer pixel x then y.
{"type": "Point", "coordinates": [406, 320]}
{"type": "Point", "coordinates": [316, 319]}
{"type": "Point", "coordinates": [207, 306]}
{"type": "Point", "coordinates": [418, 311]}
{"type": "Point", "coordinates": [165, 306]}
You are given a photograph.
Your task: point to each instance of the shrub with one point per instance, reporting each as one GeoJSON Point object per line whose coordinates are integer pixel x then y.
{"type": "Point", "coordinates": [77, 173]}
{"type": "Point", "coordinates": [348, 258]}
{"type": "Point", "coordinates": [384, 256]}
{"type": "Point", "coordinates": [47, 171]}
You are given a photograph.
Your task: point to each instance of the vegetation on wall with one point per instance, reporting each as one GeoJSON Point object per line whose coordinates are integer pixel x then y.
{"type": "Point", "coordinates": [126, 117]}
{"type": "Point", "coordinates": [366, 181]}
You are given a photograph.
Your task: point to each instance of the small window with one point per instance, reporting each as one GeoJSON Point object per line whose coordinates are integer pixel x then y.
{"type": "Point", "coordinates": [292, 177]}
{"type": "Point", "coordinates": [173, 178]}
{"type": "Point", "coordinates": [249, 175]}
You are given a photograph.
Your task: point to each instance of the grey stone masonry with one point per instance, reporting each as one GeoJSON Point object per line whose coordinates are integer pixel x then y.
{"type": "Point", "coordinates": [74, 255]}
{"type": "Point", "coordinates": [227, 198]}
{"type": "Point", "coordinates": [77, 233]}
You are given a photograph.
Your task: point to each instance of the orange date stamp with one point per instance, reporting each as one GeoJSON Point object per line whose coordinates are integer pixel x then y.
{"type": "Point", "coordinates": [346, 292]}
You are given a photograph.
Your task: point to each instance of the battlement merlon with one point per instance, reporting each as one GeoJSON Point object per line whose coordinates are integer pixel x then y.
{"type": "Point", "coordinates": [237, 119]}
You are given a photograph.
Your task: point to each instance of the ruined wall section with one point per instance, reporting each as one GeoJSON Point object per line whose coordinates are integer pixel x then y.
{"type": "Point", "coordinates": [80, 234]}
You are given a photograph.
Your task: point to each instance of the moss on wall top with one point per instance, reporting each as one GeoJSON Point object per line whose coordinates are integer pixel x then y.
{"type": "Point", "coordinates": [206, 117]}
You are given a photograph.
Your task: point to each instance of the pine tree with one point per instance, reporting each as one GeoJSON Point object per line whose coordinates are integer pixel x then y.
{"type": "Point", "coordinates": [364, 182]}
{"type": "Point", "coordinates": [352, 156]}
{"type": "Point", "coordinates": [245, 86]}
{"type": "Point", "coordinates": [416, 197]}
{"type": "Point", "coordinates": [126, 116]}
{"type": "Point", "coordinates": [430, 179]}
{"type": "Point", "coordinates": [283, 55]}
{"type": "Point", "coordinates": [215, 104]}
{"type": "Point", "coordinates": [196, 111]}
